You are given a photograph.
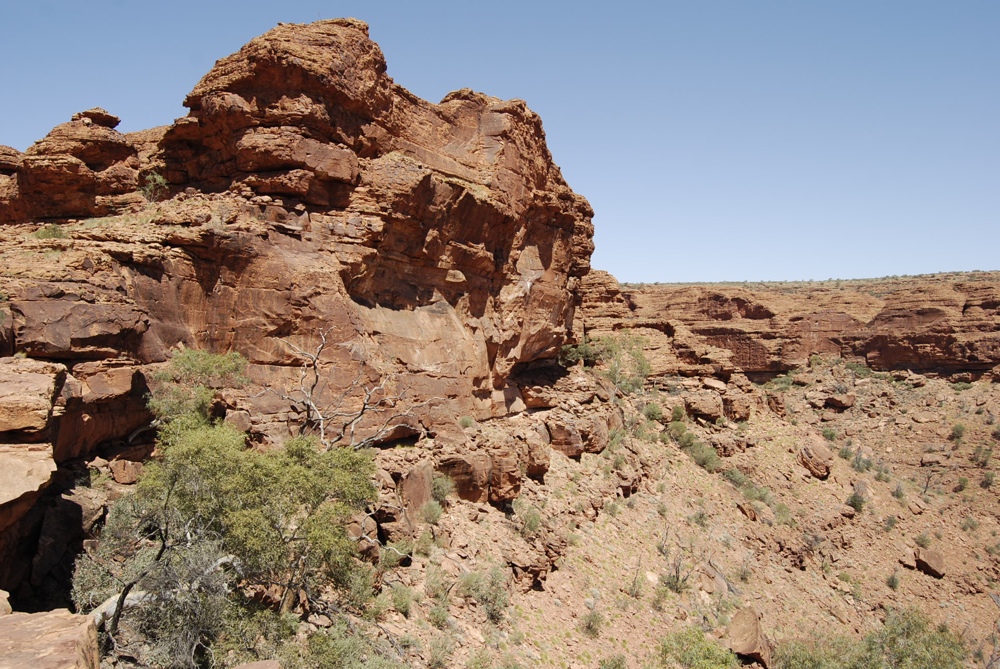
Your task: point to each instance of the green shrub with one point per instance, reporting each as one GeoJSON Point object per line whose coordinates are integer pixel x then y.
{"type": "Point", "coordinates": [587, 351]}
{"type": "Point", "coordinates": [652, 411]}
{"type": "Point", "coordinates": [488, 590]}
{"type": "Point", "coordinates": [856, 501]}
{"type": "Point", "coordinates": [922, 540]}
{"type": "Point", "coordinates": [957, 431]}
{"type": "Point", "coordinates": [402, 599]}
{"type": "Point", "coordinates": [735, 476]}
{"type": "Point", "coordinates": [51, 231]}
{"type": "Point", "coordinates": [963, 483]}
{"type": "Point", "coordinates": [677, 414]}
{"type": "Point", "coordinates": [904, 642]}
{"type": "Point", "coordinates": [899, 492]}
{"type": "Point", "coordinates": [591, 623]}
{"type": "Point", "coordinates": [155, 187]}
{"type": "Point", "coordinates": [465, 422]}
{"type": "Point", "coordinates": [624, 362]}
{"type": "Point", "coordinates": [431, 512]}
{"type": "Point", "coordinates": [892, 581]}
{"type": "Point", "coordinates": [441, 486]}
{"type": "Point", "coordinates": [829, 434]}
{"type": "Point", "coordinates": [960, 386]}
{"type": "Point", "coordinates": [438, 615]}
{"type": "Point", "coordinates": [614, 662]}
{"type": "Point", "coordinates": [689, 649]}
{"type": "Point", "coordinates": [987, 481]}
{"type": "Point", "coordinates": [704, 455]}
{"type": "Point", "coordinates": [969, 524]}
{"type": "Point", "coordinates": [531, 519]}
{"type": "Point", "coordinates": [441, 651]}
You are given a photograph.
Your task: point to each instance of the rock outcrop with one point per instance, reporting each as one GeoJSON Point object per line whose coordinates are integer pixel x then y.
{"type": "Point", "coordinates": [51, 640]}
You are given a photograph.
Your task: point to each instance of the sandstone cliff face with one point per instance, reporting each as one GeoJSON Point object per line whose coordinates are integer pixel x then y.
{"type": "Point", "coordinates": [424, 253]}
{"type": "Point", "coordinates": [947, 324]}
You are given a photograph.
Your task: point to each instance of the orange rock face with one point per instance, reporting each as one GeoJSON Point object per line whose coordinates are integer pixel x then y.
{"type": "Point", "coordinates": [941, 324]}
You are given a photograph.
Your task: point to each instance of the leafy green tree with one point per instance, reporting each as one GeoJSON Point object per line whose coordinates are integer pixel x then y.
{"type": "Point", "coordinates": [211, 514]}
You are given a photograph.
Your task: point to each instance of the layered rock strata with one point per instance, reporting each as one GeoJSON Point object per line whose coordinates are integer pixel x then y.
{"type": "Point", "coordinates": [944, 324]}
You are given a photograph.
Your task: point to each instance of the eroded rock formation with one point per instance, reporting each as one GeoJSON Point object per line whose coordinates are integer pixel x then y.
{"type": "Point", "coordinates": [946, 324]}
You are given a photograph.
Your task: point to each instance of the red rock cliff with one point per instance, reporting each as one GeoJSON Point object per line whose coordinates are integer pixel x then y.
{"type": "Point", "coordinates": [426, 251]}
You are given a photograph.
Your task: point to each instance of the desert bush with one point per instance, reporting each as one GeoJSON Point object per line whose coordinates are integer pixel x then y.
{"type": "Point", "coordinates": [961, 386]}
{"type": "Point", "coordinates": [704, 455]}
{"type": "Point", "coordinates": [614, 662]}
{"type": "Point", "coordinates": [531, 519]}
{"type": "Point", "coordinates": [586, 350]}
{"type": "Point", "coordinates": [957, 431]}
{"type": "Point", "coordinates": [735, 476]}
{"type": "Point", "coordinates": [987, 481]}
{"type": "Point", "coordinates": [846, 452]}
{"type": "Point", "coordinates": [342, 646]}
{"type": "Point", "coordinates": [402, 599]}
{"type": "Point", "coordinates": [922, 540]}
{"type": "Point", "coordinates": [208, 506]}
{"type": "Point", "coordinates": [591, 623]}
{"type": "Point", "coordinates": [969, 524]}
{"type": "Point", "coordinates": [892, 580]}
{"type": "Point", "coordinates": [906, 641]}
{"type": "Point", "coordinates": [624, 362]}
{"type": "Point", "coordinates": [442, 485]}
{"type": "Point", "coordinates": [690, 649]}
{"type": "Point", "coordinates": [677, 414]}
{"type": "Point", "coordinates": [652, 411]}
{"type": "Point", "coordinates": [51, 231]}
{"type": "Point", "coordinates": [489, 590]}
{"type": "Point", "coordinates": [856, 501]}
{"type": "Point", "coordinates": [431, 512]}
{"type": "Point", "coordinates": [441, 650]}
{"type": "Point", "coordinates": [829, 434]}
{"type": "Point", "coordinates": [438, 615]}
{"type": "Point", "coordinates": [154, 187]}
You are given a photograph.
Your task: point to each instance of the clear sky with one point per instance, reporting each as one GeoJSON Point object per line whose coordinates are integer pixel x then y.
{"type": "Point", "coordinates": [718, 140]}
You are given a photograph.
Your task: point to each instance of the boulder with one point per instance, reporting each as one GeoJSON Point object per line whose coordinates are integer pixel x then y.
{"type": "Point", "coordinates": [816, 457]}
{"type": "Point", "coordinates": [930, 561]}
{"type": "Point", "coordinates": [840, 401]}
{"type": "Point", "coordinates": [27, 392]}
{"type": "Point", "coordinates": [745, 636]}
{"type": "Point", "coordinates": [51, 640]}
{"type": "Point", "coordinates": [707, 405]}
{"type": "Point", "coordinates": [24, 473]}
{"type": "Point", "coordinates": [470, 473]}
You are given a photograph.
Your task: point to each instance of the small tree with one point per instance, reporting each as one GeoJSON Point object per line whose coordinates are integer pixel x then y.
{"type": "Point", "coordinates": [210, 512]}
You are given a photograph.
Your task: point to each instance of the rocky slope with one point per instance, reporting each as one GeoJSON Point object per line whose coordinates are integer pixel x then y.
{"type": "Point", "coordinates": [411, 271]}
{"type": "Point", "coordinates": [311, 209]}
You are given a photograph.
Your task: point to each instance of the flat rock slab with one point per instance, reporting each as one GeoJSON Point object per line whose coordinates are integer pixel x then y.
{"type": "Point", "coordinates": [51, 640]}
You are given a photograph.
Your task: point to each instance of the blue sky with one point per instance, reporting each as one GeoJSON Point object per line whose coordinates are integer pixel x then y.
{"type": "Point", "coordinates": [718, 140]}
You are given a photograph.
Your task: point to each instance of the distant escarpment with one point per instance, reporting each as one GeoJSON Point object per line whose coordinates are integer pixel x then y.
{"type": "Point", "coordinates": [308, 213]}
{"type": "Point", "coordinates": [943, 324]}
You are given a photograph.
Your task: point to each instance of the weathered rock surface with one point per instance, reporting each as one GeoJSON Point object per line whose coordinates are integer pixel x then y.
{"type": "Point", "coordinates": [816, 457]}
{"type": "Point", "coordinates": [51, 640]}
{"type": "Point", "coordinates": [745, 636]}
{"type": "Point", "coordinates": [930, 561]}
